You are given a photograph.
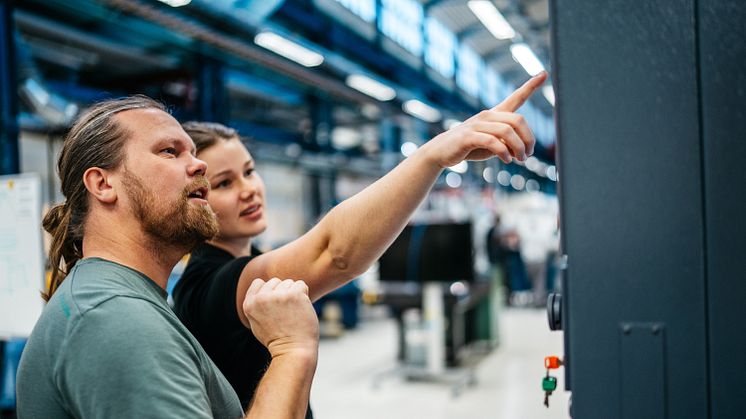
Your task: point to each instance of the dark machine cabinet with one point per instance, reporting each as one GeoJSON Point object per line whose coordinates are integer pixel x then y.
{"type": "Point", "coordinates": [651, 120]}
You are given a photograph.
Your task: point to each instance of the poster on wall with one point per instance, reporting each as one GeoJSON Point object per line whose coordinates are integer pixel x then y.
{"type": "Point", "coordinates": [21, 258]}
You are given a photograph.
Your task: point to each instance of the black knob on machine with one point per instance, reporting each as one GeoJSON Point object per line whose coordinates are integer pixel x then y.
{"type": "Point", "coordinates": [554, 311]}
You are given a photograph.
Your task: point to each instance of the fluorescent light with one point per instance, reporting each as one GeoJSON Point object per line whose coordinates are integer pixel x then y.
{"type": "Point", "coordinates": [548, 94]}
{"type": "Point", "coordinates": [460, 167]}
{"type": "Point", "coordinates": [345, 138]}
{"type": "Point", "coordinates": [487, 175]}
{"type": "Point", "coordinates": [288, 49]}
{"type": "Point", "coordinates": [408, 148]}
{"type": "Point", "coordinates": [532, 164]}
{"type": "Point", "coordinates": [518, 182]}
{"type": "Point", "coordinates": [370, 87]}
{"type": "Point", "coordinates": [453, 180]}
{"type": "Point", "coordinates": [176, 3]}
{"type": "Point", "coordinates": [503, 177]}
{"type": "Point", "coordinates": [421, 110]}
{"type": "Point", "coordinates": [524, 56]}
{"type": "Point", "coordinates": [492, 19]}
{"type": "Point", "coordinates": [552, 173]}
{"type": "Point", "coordinates": [450, 123]}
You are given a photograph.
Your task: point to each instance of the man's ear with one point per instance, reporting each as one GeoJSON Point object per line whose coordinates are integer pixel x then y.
{"type": "Point", "coordinates": [98, 182]}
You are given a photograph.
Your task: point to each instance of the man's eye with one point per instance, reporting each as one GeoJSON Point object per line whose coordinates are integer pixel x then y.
{"type": "Point", "coordinates": [169, 150]}
{"type": "Point", "coordinates": [249, 172]}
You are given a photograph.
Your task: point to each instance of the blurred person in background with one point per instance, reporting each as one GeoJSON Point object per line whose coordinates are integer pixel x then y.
{"type": "Point", "coordinates": [520, 293]}
{"type": "Point", "coordinates": [339, 248]}
{"type": "Point", "coordinates": [496, 254]}
{"type": "Point", "coordinates": [107, 344]}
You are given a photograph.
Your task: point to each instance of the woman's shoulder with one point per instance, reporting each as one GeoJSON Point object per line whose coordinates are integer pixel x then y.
{"type": "Point", "coordinates": [210, 268]}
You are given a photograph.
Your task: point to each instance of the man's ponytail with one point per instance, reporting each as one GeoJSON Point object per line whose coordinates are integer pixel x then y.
{"type": "Point", "coordinates": [63, 250]}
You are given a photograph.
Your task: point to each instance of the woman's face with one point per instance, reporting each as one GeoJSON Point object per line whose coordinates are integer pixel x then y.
{"type": "Point", "coordinates": [237, 194]}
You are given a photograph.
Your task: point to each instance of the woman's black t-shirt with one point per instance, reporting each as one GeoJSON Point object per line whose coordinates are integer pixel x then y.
{"type": "Point", "coordinates": [205, 301]}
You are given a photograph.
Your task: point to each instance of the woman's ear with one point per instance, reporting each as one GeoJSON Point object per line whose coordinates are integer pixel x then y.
{"type": "Point", "coordinates": [98, 183]}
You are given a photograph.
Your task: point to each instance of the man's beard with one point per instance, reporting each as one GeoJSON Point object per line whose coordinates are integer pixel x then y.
{"type": "Point", "coordinates": [173, 224]}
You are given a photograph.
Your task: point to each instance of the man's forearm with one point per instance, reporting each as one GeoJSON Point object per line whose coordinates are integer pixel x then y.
{"type": "Point", "coordinates": [285, 388]}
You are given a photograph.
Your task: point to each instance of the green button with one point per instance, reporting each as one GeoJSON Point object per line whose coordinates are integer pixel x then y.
{"type": "Point", "coordinates": [549, 384]}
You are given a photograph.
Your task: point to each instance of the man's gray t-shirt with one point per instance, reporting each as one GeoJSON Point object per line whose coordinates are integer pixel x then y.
{"type": "Point", "coordinates": [108, 346]}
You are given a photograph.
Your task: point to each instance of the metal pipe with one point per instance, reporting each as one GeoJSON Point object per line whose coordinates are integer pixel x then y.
{"type": "Point", "coordinates": [114, 50]}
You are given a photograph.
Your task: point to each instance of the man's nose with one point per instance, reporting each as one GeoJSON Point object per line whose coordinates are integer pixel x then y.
{"type": "Point", "coordinates": [197, 167]}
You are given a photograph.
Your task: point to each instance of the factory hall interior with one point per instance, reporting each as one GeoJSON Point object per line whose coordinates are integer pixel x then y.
{"type": "Point", "coordinates": [333, 209]}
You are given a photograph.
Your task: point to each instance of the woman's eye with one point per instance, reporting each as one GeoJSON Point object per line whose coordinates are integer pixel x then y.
{"type": "Point", "coordinates": [223, 184]}
{"type": "Point", "coordinates": [249, 172]}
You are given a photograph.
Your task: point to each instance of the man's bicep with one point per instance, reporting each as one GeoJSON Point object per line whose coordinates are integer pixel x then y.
{"type": "Point", "coordinates": [132, 365]}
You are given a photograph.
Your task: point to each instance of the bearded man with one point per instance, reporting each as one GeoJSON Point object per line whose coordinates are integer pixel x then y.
{"type": "Point", "coordinates": [107, 344]}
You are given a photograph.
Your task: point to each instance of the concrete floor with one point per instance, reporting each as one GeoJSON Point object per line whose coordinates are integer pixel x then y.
{"type": "Point", "coordinates": [508, 379]}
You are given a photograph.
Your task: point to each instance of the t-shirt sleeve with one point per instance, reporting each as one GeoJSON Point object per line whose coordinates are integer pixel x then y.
{"type": "Point", "coordinates": [134, 367]}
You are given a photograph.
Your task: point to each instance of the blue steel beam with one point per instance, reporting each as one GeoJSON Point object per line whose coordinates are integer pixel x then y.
{"type": "Point", "coordinates": [322, 123]}
{"type": "Point", "coordinates": [496, 52]}
{"type": "Point", "coordinates": [9, 154]}
{"type": "Point", "coordinates": [431, 4]}
{"type": "Point", "coordinates": [211, 94]}
{"type": "Point", "coordinates": [469, 31]}
{"type": "Point", "coordinates": [265, 133]}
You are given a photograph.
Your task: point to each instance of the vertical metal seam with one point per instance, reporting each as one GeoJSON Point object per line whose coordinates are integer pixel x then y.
{"type": "Point", "coordinates": [703, 191]}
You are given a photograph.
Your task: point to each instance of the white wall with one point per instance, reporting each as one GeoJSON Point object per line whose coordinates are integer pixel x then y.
{"type": "Point", "coordinates": [284, 204]}
{"type": "Point", "coordinates": [37, 158]}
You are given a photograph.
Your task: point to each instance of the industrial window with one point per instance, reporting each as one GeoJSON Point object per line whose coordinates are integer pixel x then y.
{"type": "Point", "coordinates": [441, 45]}
{"type": "Point", "coordinates": [401, 20]}
{"type": "Point", "coordinates": [468, 76]}
{"type": "Point", "coordinates": [364, 9]}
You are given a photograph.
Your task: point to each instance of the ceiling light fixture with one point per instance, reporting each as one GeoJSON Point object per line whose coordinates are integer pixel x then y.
{"type": "Point", "coordinates": [453, 180]}
{"type": "Point", "coordinates": [492, 19]}
{"type": "Point", "coordinates": [450, 123]}
{"type": "Point", "coordinates": [461, 167]}
{"type": "Point", "coordinates": [524, 56]}
{"type": "Point", "coordinates": [548, 94]}
{"type": "Point", "coordinates": [408, 148]}
{"type": "Point", "coordinates": [370, 87]}
{"type": "Point", "coordinates": [288, 49]}
{"type": "Point", "coordinates": [421, 110]}
{"type": "Point", "coordinates": [176, 3]}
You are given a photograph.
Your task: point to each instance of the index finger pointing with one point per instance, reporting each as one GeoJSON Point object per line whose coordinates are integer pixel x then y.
{"type": "Point", "coordinates": [521, 95]}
